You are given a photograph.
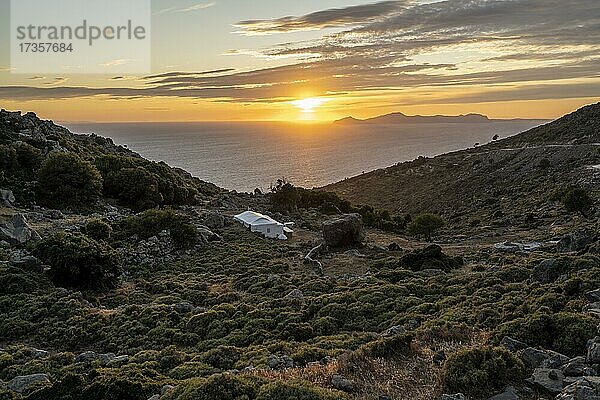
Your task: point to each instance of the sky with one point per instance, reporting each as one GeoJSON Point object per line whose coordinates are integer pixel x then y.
{"type": "Point", "coordinates": [320, 60]}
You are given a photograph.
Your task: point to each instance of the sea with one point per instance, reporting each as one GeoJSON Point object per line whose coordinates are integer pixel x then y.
{"type": "Point", "coordinates": [243, 156]}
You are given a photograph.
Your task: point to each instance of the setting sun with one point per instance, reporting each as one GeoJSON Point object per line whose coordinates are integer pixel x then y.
{"type": "Point", "coordinates": [308, 105]}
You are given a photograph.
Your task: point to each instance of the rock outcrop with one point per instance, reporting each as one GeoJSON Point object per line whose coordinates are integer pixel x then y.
{"type": "Point", "coordinates": [17, 231]}
{"type": "Point", "coordinates": [344, 230]}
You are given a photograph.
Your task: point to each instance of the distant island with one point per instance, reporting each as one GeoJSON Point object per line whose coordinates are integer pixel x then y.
{"type": "Point", "coordinates": [400, 118]}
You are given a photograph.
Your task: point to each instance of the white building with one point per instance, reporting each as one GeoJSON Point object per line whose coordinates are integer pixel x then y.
{"type": "Point", "coordinates": [265, 225]}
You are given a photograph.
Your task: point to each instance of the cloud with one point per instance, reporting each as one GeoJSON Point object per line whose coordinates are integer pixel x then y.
{"type": "Point", "coordinates": [332, 18]}
{"type": "Point", "coordinates": [459, 50]}
{"type": "Point", "coordinates": [193, 7]}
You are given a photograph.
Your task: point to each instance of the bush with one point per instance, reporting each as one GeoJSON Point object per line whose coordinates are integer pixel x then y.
{"type": "Point", "coordinates": [78, 261]}
{"type": "Point", "coordinates": [151, 222]}
{"type": "Point", "coordinates": [66, 180]}
{"type": "Point", "coordinates": [136, 187]}
{"type": "Point", "coordinates": [216, 387]}
{"type": "Point", "coordinates": [297, 391]}
{"type": "Point", "coordinates": [564, 332]}
{"type": "Point", "coordinates": [389, 347]}
{"type": "Point", "coordinates": [576, 200]}
{"type": "Point", "coordinates": [426, 225]}
{"type": "Point", "coordinates": [97, 229]}
{"type": "Point", "coordinates": [482, 371]}
{"type": "Point", "coordinates": [222, 357]}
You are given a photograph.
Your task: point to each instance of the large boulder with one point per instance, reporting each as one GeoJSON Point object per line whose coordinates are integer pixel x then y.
{"type": "Point", "coordinates": [344, 230]}
{"type": "Point", "coordinates": [508, 394]}
{"type": "Point", "coordinates": [17, 231]}
{"type": "Point", "coordinates": [575, 241]}
{"type": "Point", "coordinates": [547, 379]}
{"type": "Point", "coordinates": [21, 384]}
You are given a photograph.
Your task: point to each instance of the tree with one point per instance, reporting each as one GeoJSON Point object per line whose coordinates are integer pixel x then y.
{"type": "Point", "coordinates": [426, 225]}
{"type": "Point", "coordinates": [576, 200]}
{"type": "Point", "coordinates": [66, 180]}
{"type": "Point", "coordinates": [284, 197]}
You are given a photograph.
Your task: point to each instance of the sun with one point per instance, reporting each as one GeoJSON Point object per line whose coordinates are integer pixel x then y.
{"type": "Point", "coordinates": [309, 104]}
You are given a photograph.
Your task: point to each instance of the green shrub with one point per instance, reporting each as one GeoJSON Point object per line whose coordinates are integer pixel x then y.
{"type": "Point", "coordinates": [143, 184]}
{"type": "Point", "coordinates": [65, 180]}
{"type": "Point", "coordinates": [482, 371]}
{"type": "Point", "coordinates": [564, 332]}
{"type": "Point", "coordinates": [426, 225]}
{"type": "Point", "coordinates": [97, 229]}
{"type": "Point", "coordinates": [151, 222]}
{"type": "Point", "coordinates": [217, 387]}
{"type": "Point", "coordinates": [576, 200]}
{"type": "Point", "coordinates": [136, 187]}
{"type": "Point", "coordinates": [222, 357]}
{"type": "Point", "coordinates": [389, 347]}
{"type": "Point", "coordinates": [297, 391]}
{"type": "Point", "coordinates": [78, 261]}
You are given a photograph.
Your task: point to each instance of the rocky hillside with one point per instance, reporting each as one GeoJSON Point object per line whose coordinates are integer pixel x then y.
{"type": "Point", "coordinates": [126, 279]}
{"type": "Point", "coordinates": [500, 182]}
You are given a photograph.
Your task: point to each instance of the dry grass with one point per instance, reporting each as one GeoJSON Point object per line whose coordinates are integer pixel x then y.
{"type": "Point", "coordinates": [412, 377]}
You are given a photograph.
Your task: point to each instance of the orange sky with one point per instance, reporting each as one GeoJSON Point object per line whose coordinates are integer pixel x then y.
{"type": "Point", "coordinates": [239, 60]}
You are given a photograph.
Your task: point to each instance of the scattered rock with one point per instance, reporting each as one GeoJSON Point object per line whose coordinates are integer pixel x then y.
{"type": "Point", "coordinates": [517, 247]}
{"type": "Point", "coordinates": [86, 357]}
{"type": "Point", "coordinates": [587, 388]}
{"type": "Point", "coordinates": [155, 397]}
{"type": "Point", "coordinates": [277, 362]}
{"type": "Point", "coordinates": [574, 367]}
{"type": "Point", "coordinates": [593, 350]}
{"type": "Point", "coordinates": [512, 345]}
{"type": "Point", "coordinates": [7, 197]}
{"type": "Point", "coordinates": [575, 241]}
{"type": "Point", "coordinates": [343, 384]}
{"type": "Point", "coordinates": [394, 330]}
{"type": "Point", "coordinates": [22, 259]}
{"type": "Point", "coordinates": [118, 361]}
{"type": "Point", "coordinates": [165, 389]}
{"type": "Point", "coordinates": [54, 214]}
{"type": "Point", "coordinates": [295, 294]}
{"type": "Point", "coordinates": [206, 235]}
{"type": "Point", "coordinates": [508, 394]}
{"type": "Point", "coordinates": [106, 358]}
{"type": "Point", "coordinates": [547, 379]}
{"type": "Point", "coordinates": [344, 230]}
{"type": "Point", "coordinates": [214, 220]}
{"type": "Point", "coordinates": [36, 353]}
{"type": "Point", "coordinates": [21, 384]}
{"type": "Point", "coordinates": [546, 271]}
{"type": "Point", "coordinates": [593, 296]}
{"type": "Point", "coordinates": [17, 231]}
{"type": "Point", "coordinates": [183, 308]}
{"type": "Point", "coordinates": [384, 397]}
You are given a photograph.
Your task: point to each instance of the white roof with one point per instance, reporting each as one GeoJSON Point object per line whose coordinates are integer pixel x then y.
{"type": "Point", "coordinates": [254, 218]}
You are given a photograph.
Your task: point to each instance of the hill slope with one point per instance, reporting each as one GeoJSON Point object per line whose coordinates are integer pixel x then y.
{"type": "Point", "coordinates": [514, 175]}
